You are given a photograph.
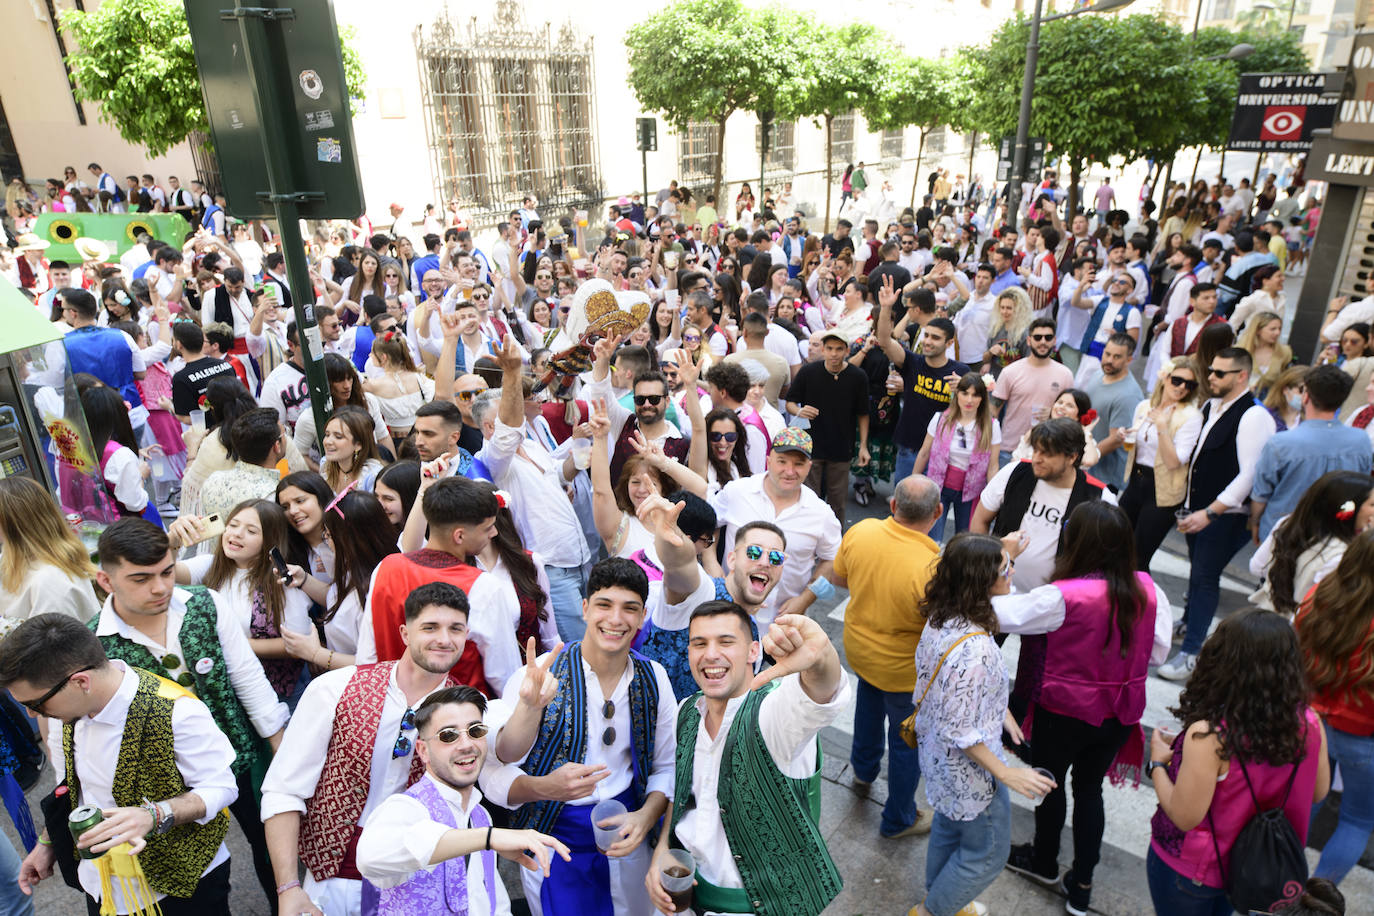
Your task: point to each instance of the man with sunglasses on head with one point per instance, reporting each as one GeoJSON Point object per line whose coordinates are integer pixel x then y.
{"type": "Point", "coordinates": [350, 746]}
{"type": "Point", "coordinates": [188, 635]}
{"type": "Point", "coordinates": [164, 795]}
{"type": "Point", "coordinates": [434, 842]}
{"type": "Point", "coordinates": [591, 723]}
{"type": "Point", "coordinates": [1221, 475]}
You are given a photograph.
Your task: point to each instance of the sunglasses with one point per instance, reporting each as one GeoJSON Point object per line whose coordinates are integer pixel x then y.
{"type": "Point", "coordinates": [650, 399]}
{"type": "Point", "coordinates": [452, 733]}
{"type": "Point", "coordinates": [565, 309]}
{"type": "Point", "coordinates": [1222, 373]}
{"type": "Point", "coordinates": [37, 705]}
{"type": "Point", "coordinates": [403, 743]}
{"type": "Point", "coordinates": [724, 437]}
{"type": "Point", "coordinates": [1042, 337]}
{"type": "Point", "coordinates": [705, 540]}
{"type": "Point", "coordinates": [1179, 381]}
{"type": "Point", "coordinates": [608, 711]}
{"type": "Point", "coordinates": [482, 297]}
{"type": "Point", "coordinates": [775, 557]}
{"type": "Point", "coordinates": [468, 395]}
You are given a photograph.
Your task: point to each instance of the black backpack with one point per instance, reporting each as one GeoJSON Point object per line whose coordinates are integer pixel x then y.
{"type": "Point", "coordinates": [1267, 864]}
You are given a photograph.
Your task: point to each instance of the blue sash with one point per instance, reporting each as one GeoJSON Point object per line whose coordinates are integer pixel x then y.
{"type": "Point", "coordinates": [581, 887]}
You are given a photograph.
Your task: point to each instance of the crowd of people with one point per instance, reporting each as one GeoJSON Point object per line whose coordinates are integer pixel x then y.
{"type": "Point", "coordinates": [551, 541]}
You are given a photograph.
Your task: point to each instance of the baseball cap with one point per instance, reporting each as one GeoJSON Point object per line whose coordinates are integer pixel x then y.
{"type": "Point", "coordinates": [793, 439]}
{"type": "Point", "coordinates": [836, 335]}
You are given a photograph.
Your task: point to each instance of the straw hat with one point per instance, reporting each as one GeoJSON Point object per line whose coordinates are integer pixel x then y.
{"type": "Point", "coordinates": [92, 249]}
{"type": "Point", "coordinates": [30, 242]}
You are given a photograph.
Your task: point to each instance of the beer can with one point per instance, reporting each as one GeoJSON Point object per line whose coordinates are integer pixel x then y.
{"type": "Point", "coordinates": [81, 820]}
{"type": "Point", "coordinates": [74, 520]}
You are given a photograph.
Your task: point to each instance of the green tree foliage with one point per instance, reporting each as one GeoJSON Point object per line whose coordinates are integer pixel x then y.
{"type": "Point", "coordinates": [922, 93]}
{"type": "Point", "coordinates": [134, 59]}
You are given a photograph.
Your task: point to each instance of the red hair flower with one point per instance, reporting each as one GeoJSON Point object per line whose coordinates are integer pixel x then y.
{"type": "Point", "coordinates": [1346, 512]}
{"type": "Point", "coordinates": [1088, 418]}
{"type": "Point", "coordinates": [502, 498]}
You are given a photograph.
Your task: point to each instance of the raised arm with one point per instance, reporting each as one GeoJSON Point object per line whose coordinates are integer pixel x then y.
{"type": "Point", "coordinates": [681, 571]}
{"type": "Point", "coordinates": [689, 372]}
{"type": "Point", "coordinates": [887, 298]}
{"type": "Point", "coordinates": [446, 367]}
{"type": "Point", "coordinates": [605, 512]}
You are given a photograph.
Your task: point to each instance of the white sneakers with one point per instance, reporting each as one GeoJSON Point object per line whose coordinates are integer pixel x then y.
{"type": "Point", "coordinates": [1178, 668]}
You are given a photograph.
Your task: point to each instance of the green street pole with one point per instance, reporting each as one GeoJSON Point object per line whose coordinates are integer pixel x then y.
{"type": "Point", "coordinates": [253, 29]}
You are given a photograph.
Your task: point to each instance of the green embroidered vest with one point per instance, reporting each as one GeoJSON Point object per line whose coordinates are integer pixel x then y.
{"type": "Point", "coordinates": [199, 640]}
{"type": "Point", "coordinates": [174, 861]}
{"type": "Point", "coordinates": [785, 867]}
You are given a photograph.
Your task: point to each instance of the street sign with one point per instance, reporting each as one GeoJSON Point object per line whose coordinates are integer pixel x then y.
{"type": "Point", "coordinates": [1035, 160]}
{"type": "Point", "coordinates": [646, 135]}
{"type": "Point", "coordinates": [1355, 119]}
{"type": "Point", "coordinates": [1277, 112]}
{"type": "Point", "coordinates": [307, 77]}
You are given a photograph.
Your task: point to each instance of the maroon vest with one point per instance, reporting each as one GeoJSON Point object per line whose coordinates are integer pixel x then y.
{"type": "Point", "coordinates": [1180, 328]}
{"type": "Point", "coordinates": [674, 448]}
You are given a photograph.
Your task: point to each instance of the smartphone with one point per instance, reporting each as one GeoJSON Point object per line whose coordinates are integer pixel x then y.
{"type": "Point", "coordinates": [279, 562]}
{"type": "Point", "coordinates": [214, 527]}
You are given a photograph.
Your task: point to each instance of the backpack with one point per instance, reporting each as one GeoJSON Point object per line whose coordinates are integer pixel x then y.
{"type": "Point", "coordinates": [1267, 864]}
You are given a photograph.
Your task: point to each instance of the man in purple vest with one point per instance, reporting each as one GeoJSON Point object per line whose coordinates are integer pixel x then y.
{"type": "Point", "coordinates": [432, 848]}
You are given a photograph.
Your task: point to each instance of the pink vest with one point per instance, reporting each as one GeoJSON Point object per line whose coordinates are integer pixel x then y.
{"type": "Point", "coordinates": [977, 475]}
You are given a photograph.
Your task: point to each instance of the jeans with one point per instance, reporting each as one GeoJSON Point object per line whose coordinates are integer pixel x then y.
{"type": "Point", "coordinates": [1003, 459]}
{"type": "Point", "coordinates": [871, 707]}
{"type": "Point", "coordinates": [965, 857]}
{"type": "Point", "coordinates": [962, 512]}
{"type": "Point", "coordinates": [1060, 742]}
{"type": "Point", "coordinates": [1355, 754]}
{"type": "Point", "coordinates": [567, 588]}
{"type": "Point", "coordinates": [1209, 551]}
{"type": "Point", "coordinates": [1175, 895]}
{"type": "Point", "coordinates": [906, 460]}
{"type": "Point", "coordinates": [13, 901]}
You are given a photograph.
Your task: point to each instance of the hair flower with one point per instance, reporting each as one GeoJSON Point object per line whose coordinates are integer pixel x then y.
{"type": "Point", "coordinates": [989, 380]}
{"type": "Point", "coordinates": [502, 498]}
{"type": "Point", "coordinates": [1089, 417]}
{"type": "Point", "coordinates": [1347, 511]}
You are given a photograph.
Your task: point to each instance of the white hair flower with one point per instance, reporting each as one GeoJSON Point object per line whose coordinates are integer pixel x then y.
{"type": "Point", "coordinates": [988, 380]}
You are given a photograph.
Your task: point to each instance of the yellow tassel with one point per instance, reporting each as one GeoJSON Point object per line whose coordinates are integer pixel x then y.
{"type": "Point", "coordinates": [133, 886]}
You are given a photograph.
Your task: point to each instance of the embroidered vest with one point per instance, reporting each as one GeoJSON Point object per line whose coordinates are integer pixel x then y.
{"type": "Point", "coordinates": [329, 828]}
{"type": "Point", "coordinates": [785, 869]}
{"type": "Point", "coordinates": [976, 476]}
{"type": "Point", "coordinates": [173, 861]}
{"type": "Point", "coordinates": [400, 574]}
{"type": "Point", "coordinates": [282, 673]}
{"type": "Point", "coordinates": [1178, 333]}
{"type": "Point", "coordinates": [199, 639]}
{"type": "Point", "coordinates": [563, 732]}
{"type": "Point", "coordinates": [104, 353]}
{"type": "Point", "coordinates": [443, 889]}
{"type": "Point", "coordinates": [669, 648]}
{"type": "Point", "coordinates": [1362, 418]}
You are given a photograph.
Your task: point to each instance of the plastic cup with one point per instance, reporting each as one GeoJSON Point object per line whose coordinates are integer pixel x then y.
{"type": "Point", "coordinates": [198, 419]}
{"type": "Point", "coordinates": [1180, 514]}
{"type": "Point", "coordinates": [670, 260]}
{"type": "Point", "coordinates": [676, 877]}
{"type": "Point", "coordinates": [1039, 412]}
{"type": "Point", "coordinates": [1048, 775]}
{"type": "Point", "coordinates": [608, 817]}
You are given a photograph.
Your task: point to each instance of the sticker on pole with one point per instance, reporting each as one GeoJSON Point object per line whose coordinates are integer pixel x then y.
{"type": "Point", "coordinates": [311, 84]}
{"type": "Point", "coordinates": [327, 149]}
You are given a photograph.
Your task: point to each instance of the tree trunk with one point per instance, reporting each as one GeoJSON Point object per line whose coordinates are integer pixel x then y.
{"type": "Point", "coordinates": [1196, 162]}
{"type": "Point", "coordinates": [1071, 206]}
{"type": "Point", "coordinates": [721, 202]}
{"type": "Point", "coordinates": [1168, 180]}
{"type": "Point", "coordinates": [972, 149]}
{"type": "Point", "coordinates": [829, 156]}
{"type": "Point", "coordinates": [916, 182]}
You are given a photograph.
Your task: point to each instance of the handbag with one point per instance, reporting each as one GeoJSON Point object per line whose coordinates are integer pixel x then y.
{"type": "Point", "coordinates": [908, 726]}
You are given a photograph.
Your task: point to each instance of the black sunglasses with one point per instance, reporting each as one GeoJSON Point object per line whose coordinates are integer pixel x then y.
{"type": "Point", "coordinates": [728, 437]}
{"type": "Point", "coordinates": [1222, 373]}
{"type": "Point", "coordinates": [37, 705]}
{"type": "Point", "coordinates": [608, 736]}
{"type": "Point", "coordinates": [1179, 381]}
{"type": "Point", "coordinates": [452, 733]}
{"type": "Point", "coordinates": [1042, 337]}
{"type": "Point", "coordinates": [651, 399]}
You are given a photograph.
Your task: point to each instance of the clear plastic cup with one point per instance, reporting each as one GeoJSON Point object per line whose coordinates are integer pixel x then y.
{"type": "Point", "coordinates": [1048, 775]}
{"type": "Point", "coordinates": [198, 419]}
{"type": "Point", "coordinates": [608, 817]}
{"type": "Point", "coordinates": [679, 868]}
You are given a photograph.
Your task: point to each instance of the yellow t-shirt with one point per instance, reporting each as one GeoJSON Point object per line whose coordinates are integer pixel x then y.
{"type": "Point", "coordinates": [888, 567]}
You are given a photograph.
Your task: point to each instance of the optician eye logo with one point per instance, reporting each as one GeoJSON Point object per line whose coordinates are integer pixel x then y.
{"type": "Point", "coordinates": [1283, 122]}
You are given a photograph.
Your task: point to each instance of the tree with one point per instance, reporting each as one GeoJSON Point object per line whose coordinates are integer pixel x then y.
{"type": "Point", "coordinates": [921, 93]}
{"type": "Point", "coordinates": [700, 60]}
{"type": "Point", "coordinates": [135, 60]}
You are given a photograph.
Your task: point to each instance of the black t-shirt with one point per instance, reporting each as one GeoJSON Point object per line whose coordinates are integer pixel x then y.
{"type": "Point", "coordinates": [470, 439]}
{"type": "Point", "coordinates": [900, 278]}
{"type": "Point", "coordinates": [836, 245]}
{"type": "Point", "coordinates": [924, 217]}
{"type": "Point", "coordinates": [924, 394]}
{"type": "Point", "coordinates": [840, 399]}
{"type": "Point", "coordinates": [190, 382]}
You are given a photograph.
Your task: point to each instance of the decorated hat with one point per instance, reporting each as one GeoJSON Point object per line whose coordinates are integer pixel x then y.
{"type": "Point", "coordinates": [30, 242]}
{"type": "Point", "coordinates": [793, 439]}
{"type": "Point", "coordinates": [91, 249]}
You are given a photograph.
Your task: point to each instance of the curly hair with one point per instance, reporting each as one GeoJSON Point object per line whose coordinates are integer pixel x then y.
{"type": "Point", "coordinates": [961, 588]}
{"type": "Point", "coordinates": [1313, 521]}
{"type": "Point", "coordinates": [1250, 689]}
{"type": "Point", "coordinates": [1333, 627]}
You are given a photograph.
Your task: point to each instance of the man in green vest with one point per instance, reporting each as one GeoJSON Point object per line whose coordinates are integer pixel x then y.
{"type": "Point", "coordinates": [747, 800]}
{"type": "Point", "coordinates": [190, 636]}
{"type": "Point", "coordinates": [148, 755]}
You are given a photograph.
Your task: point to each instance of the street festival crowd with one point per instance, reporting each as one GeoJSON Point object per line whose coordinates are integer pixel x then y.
{"type": "Point", "coordinates": [539, 588]}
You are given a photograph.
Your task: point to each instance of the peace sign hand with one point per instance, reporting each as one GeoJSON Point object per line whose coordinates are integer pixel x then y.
{"type": "Point", "coordinates": [539, 687]}
{"type": "Point", "coordinates": [796, 643]}
{"type": "Point", "coordinates": [887, 296]}
{"type": "Point", "coordinates": [598, 418]}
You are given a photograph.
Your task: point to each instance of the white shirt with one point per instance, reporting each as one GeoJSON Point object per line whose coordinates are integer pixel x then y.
{"type": "Point", "coordinates": [1147, 434]}
{"type": "Point", "coordinates": [543, 515]}
{"type": "Point", "coordinates": [237, 594]}
{"type": "Point", "coordinates": [285, 389]}
{"type": "Point", "coordinates": [548, 627]}
{"type": "Point", "coordinates": [203, 757]}
{"type": "Point", "coordinates": [124, 473]}
{"type": "Point", "coordinates": [240, 306]}
{"type": "Point", "coordinates": [1361, 310]}
{"type": "Point", "coordinates": [399, 841]}
{"type": "Point", "coordinates": [961, 448]}
{"type": "Point", "coordinates": [1256, 428]}
{"type": "Point", "coordinates": [46, 589]}
{"type": "Point", "coordinates": [779, 341]}
{"type": "Point", "coordinates": [789, 721]}
{"type": "Point", "coordinates": [1042, 610]}
{"type": "Point", "coordinates": [267, 714]}
{"type": "Point", "coordinates": [971, 326]}
{"type": "Point", "coordinates": [813, 532]}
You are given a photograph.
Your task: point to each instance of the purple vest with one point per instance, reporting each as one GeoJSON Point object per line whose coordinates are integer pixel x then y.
{"type": "Point", "coordinates": [1083, 679]}
{"type": "Point", "coordinates": [445, 888]}
{"type": "Point", "coordinates": [975, 478]}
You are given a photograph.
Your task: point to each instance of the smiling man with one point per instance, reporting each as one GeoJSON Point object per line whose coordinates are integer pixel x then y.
{"type": "Point", "coordinates": [590, 724]}
{"type": "Point", "coordinates": [351, 745]}
{"type": "Point", "coordinates": [748, 776]}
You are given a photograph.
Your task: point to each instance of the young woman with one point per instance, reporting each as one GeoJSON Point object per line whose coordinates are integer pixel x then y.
{"type": "Point", "coordinates": [393, 280]}
{"type": "Point", "coordinates": [1336, 631]}
{"type": "Point", "coordinates": [694, 342]}
{"type": "Point", "coordinates": [846, 189]}
{"type": "Point", "coordinates": [120, 305]}
{"type": "Point", "coordinates": [961, 708]}
{"type": "Point", "coordinates": [396, 489]}
{"type": "Point", "coordinates": [854, 316]}
{"type": "Point", "coordinates": [241, 571]}
{"type": "Point", "coordinates": [402, 388]}
{"type": "Point", "coordinates": [121, 465]}
{"type": "Point", "coordinates": [1354, 343]}
{"type": "Point", "coordinates": [44, 567]}
{"type": "Point", "coordinates": [1167, 426]}
{"type": "Point", "coordinates": [346, 388]}
{"type": "Point", "coordinates": [506, 558]}
{"type": "Point", "coordinates": [1284, 400]}
{"type": "Point", "coordinates": [960, 452]}
{"type": "Point", "coordinates": [1076, 405]}
{"type": "Point", "coordinates": [1266, 296]}
{"type": "Point", "coordinates": [1104, 625]}
{"type": "Point", "coordinates": [1011, 317]}
{"type": "Point", "coordinates": [726, 293]}
{"type": "Point", "coordinates": [1308, 543]}
{"type": "Point", "coordinates": [350, 452]}
{"type": "Point", "coordinates": [1261, 339]}
{"type": "Point", "coordinates": [368, 280]}
{"type": "Point", "coordinates": [304, 496]}
{"type": "Point", "coordinates": [1248, 740]}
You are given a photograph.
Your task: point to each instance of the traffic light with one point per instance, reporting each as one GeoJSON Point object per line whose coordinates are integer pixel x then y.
{"type": "Point", "coordinates": [646, 135]}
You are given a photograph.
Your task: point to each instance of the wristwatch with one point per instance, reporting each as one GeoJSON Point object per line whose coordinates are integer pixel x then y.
{"type": "Point", "coordinates": [1212, 516]}
{"type": "Point", "coordinates": [161, 813]}
{"type": "Point", "coordinates": [1152, 766]}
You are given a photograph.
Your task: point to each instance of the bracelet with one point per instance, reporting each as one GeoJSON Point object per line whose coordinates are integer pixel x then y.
{"type": "Point", "coordinates": [45, 841]}
{"type": "Point", "coordinates": [329, 665]}
{"type": "Point", "coordinates": [283, 888]}
{"type": "Point", "coordinates": [488, 846]}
